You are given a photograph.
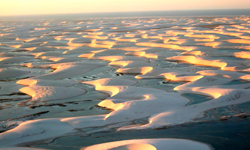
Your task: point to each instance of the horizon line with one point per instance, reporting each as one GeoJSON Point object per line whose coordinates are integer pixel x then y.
{"type": "Point", "coordinates": [122, 12]}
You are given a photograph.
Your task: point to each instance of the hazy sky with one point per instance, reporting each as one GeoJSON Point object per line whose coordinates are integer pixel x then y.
{"type": "Point", "coordinates": [31, 7]}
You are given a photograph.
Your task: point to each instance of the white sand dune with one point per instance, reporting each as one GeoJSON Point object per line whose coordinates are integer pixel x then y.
{"type": "Point", "coordinates": [40, 82]}
{"type": "Point", "coordinates": [132, 103]}
{"type": "Point", "coordinates": [48, 93]}
{"type": "Point", "coordinates": [169, 74]}
{"type": "Point", "coordinates": [35, 130]}
{"type": "Point", "coordinates": [69, 70]}
{"type": "Point", "coordinates": [210, 86]}
{"type": "Point", "coordinates": [150, 144]}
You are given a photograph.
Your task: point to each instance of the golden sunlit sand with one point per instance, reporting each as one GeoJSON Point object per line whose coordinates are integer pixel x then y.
{"type": "Point", "coordinates": [150, 144]}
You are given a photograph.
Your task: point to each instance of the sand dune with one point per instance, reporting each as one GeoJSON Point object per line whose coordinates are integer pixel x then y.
{"type": "Point", "coordinates": [86, 77]}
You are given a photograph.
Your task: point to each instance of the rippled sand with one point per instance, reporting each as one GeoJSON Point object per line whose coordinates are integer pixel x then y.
{"type": "Point", "coordinates": [61, 77]}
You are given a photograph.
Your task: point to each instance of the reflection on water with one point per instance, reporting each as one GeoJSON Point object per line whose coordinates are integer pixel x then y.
{"type": "Point", "coordinates": [195, 98]}
{"type": "Point", "coordinates": [235, 82]}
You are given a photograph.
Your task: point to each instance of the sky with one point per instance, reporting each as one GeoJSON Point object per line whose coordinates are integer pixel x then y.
{"type": "Point", "coordinates": [34, 7]}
